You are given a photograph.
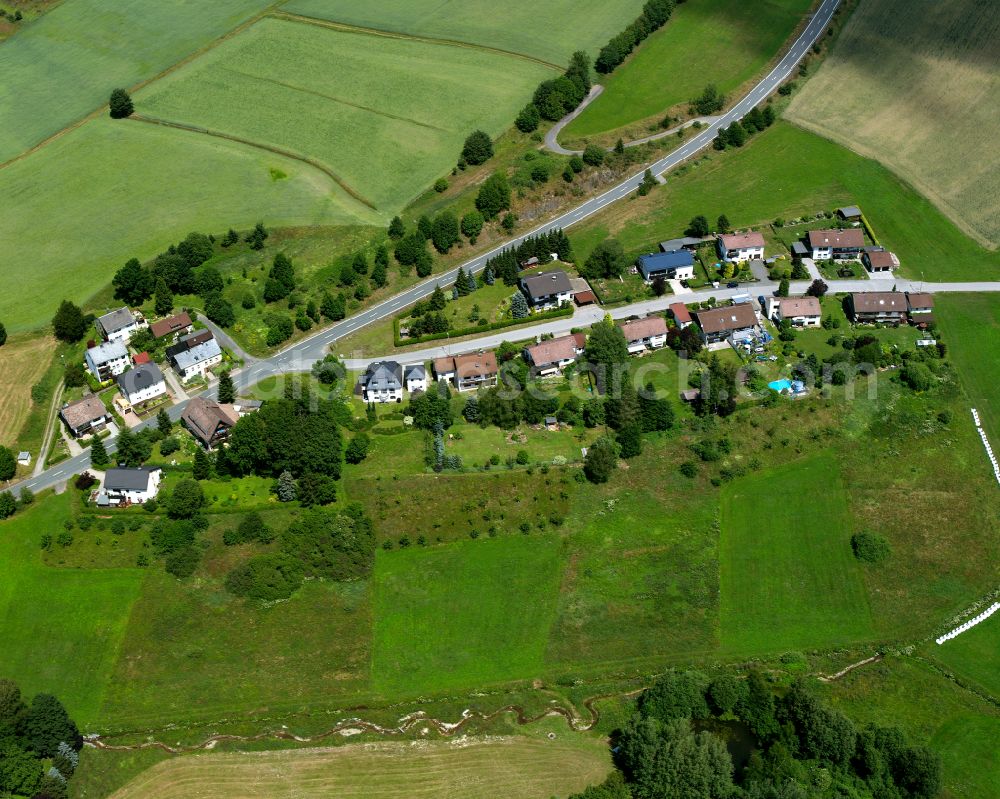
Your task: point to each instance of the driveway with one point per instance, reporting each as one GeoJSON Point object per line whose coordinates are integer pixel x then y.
{"type": "Point", "coordinates": [811, 267]}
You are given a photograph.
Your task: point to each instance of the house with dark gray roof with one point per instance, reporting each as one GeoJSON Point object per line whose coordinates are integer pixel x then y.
{"type": "Point", "coordinates": [197, 360]}
{"type": "Point", "coordinates": [547, 289]}
{"type": "Point", "coordinates": [129, 486]}
{"type": "Point", "coordinates": [118, 325]}
{"type": "Point", "coordinates": [142, 384]}
{"type": "Point", "coordinates": [382, 382]}
{"type": "Point", "coordinates": [415, 377]}
{"type": "Point", "coordinates": [675, 265]}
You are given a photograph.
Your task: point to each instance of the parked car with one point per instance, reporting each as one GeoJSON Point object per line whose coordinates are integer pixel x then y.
{"type": "Point", "coordinates": [732, 284]}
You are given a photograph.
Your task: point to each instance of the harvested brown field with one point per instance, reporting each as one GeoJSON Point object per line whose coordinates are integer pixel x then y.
{"type": "Point", "coordinates": [516, 768]}
{"type": "Point", "coordinates": [23, 361]}
{"type": "Point", "coordinates": [916, 86]}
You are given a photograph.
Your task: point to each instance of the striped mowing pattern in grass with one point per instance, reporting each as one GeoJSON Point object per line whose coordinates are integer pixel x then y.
{"type": "Point", "coordinates": [550, 31]}
{"type": "Point", "coordinates": [386, 115]}
{"type": "Point", "coordinates": [64, 65]}
{"type": "Point", "coordinates": [787, 575]}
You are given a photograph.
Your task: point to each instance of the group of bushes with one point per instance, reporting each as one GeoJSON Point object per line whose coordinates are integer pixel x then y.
{"type": "Point", "coordinates": [796, 737]}
{"type": "Point", "coordinates": [738, 131]}
{"type": "Point", "coordinates": [507, 264]}
{"type": "Point", "coordinates": [555, 98]}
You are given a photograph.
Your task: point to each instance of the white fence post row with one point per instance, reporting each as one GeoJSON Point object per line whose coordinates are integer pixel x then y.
{"type": "Point", "coordinates": [970, 623]}
{"type": "Point", "coordinates": [986, 443]}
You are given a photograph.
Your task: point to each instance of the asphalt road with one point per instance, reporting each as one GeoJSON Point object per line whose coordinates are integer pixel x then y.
{"type": "Point", "coordinates": [302, 354]}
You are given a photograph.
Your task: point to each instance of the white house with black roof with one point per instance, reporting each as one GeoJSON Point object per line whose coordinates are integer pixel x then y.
{"type": "Point", "coordinates": [119, 325]}
{"type": "Point", "coordinates": [142, 384]}
{"type": "Point", "coordinates": [382, 382]}
{"type": "Point", "coordinates": [547, 290]}
{"type": "Point", "coordinates": [129, 486]}
{"type": "Point", "coordinates": [415, 377]}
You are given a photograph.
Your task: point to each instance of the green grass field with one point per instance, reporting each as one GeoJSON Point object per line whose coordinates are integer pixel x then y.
{"type": "Point", "coordinates": [971, 323]}
{"type": "Point", "coordinates": [386, 115]}
{"type": "Point", "coordinates": [60, 630]}
{"type": "Point", "coordinates": [498, 596]}
{"type": "Point", "coordinates": [483, 768]}
{"type": "Point", "coordinates": [76, 210]}
{"type": "Point", "coordinates": [550, 31]}
{"type": "Point", "coordinates": [919, 93]}
{"type": "Point", "coordinates": [63, 66]}
{"type": "Point", "coordinates": [975, 655]}
{"type": "Point", "coordinates": [725, 42]}
{"type": "Point", "coordinates": [787, 575]}
{"type": "Point", "coordinates": [786, 172]}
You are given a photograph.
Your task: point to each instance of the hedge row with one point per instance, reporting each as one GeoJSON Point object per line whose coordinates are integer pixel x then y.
{"type": "Point", "coordinates": [555, 313]}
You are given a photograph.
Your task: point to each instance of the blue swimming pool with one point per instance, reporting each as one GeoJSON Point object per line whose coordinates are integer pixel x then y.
{"type": "Point", "coordinates": [780, 385]}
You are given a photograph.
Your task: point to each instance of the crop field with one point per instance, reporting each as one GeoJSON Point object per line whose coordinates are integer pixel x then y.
{"type": "Point", "coordinates": [787, 575]}
{"type": "Point", "coordinates": [77, 209]}
{"type": "Point", "coordinates": [498, 596]}
{"type": "Point", "coordinates": [59, 629]}
{"type": "Point", "coordinates": [386, 115]}
{"type": "Point", "coordinates": [920, 93]}
{"type": "Point", "coordinates": [764, 181]}
{"type": "Point", "coordinates": [63, 66]}
{"type": "Point", "coordinates": [971, 323]}
{"type": "Point", "coordinates": [25, 360]}
{"type": "Point", "coordinates": [514, 767]}
{"type": "Point", "coordinates": [725, 42]}
{"type": "Point", "coordinates": [548, 31]}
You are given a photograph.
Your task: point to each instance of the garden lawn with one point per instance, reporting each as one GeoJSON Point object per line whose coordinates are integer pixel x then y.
{"type": "Point", "coordinates": [971, 326]}
{"type": "Point", "coordinates": [387, 115]}
{"type": "Point", "coordinates": [60, 630]}
{"type": "Point", "coordinates": [788, 577]}
{"type": "Point", "coordinates": [920, 93]}
{"type": "Point", "coordinates": [478, 444]}
{"type": "Point", "coordinates": [725, 42]}
{"type": "Point", "coordinates": [549, 31]}
{"type": "Point", "coordinates": [975, 655]}
{"type": "Point", "coordinates": [77, 209]}
{"type": "Point", "coordinates": [497, 595]}
{"type": "Point", "coordinates": [64, 65]}
{"type": "Point", "coordinates": [764, 181]}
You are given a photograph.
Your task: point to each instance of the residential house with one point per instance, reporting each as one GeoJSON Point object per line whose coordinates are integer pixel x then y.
{"type": "Point", "coordinates": [119, 325]}
{"type": "Point", "coordinates": [382, 382]}
{"type": "Point", "coordinates": [198, 360]}
{"type": "Point", "coordinates": [415, 377]}
{"type": "Point", "coordinates": [800, 311]}
{"type": "Point", "coordinates": [719, 324]}
{"type": "Point", "coordinates": [835, 245]}
{"type": "Point", "coordinates": [872, 307]}
{"type": "Point", "coordinates": [209, 421]}
{"type": "Point", "coordinates": [683, 243]}
{"type": "Point", "coordinates": [736, 247]}
{"type": "Point", "coordinates": [642, 334]}
{"type": "Point", "coordinates": [920, 306]}
{"type": "Point", "coordinates": [547, 289]}
{"type": "Point", "coordinates": [876, 259]}
{"type": "Point", "coordinates": [682, 316]}
{"type": "Point", "coordinates": [468, 372]}
{"type": "Point", "coordinates": [551, 356]}
{"type": "Point", "coordinates": [129, 486]}
{"type": "Point", "coordinates": [107, 360]}
{"type": "Point", "coordinates": [87, 415]}
{"type": "Point", "coordinates": [676, 265]}
{"type": "Point", "coordinates": [172, 325]}
{"type": "Point", "coordinates": [142, 384]}
{"type": "Point", "coordinates": [188, 342]}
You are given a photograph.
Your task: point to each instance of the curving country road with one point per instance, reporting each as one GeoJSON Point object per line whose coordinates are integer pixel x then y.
{"type": "Point", "coordinates": [302, 354]}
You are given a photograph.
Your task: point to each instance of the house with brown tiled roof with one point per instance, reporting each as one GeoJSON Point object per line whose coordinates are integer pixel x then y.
{"type": "Point", "coordinates": [835, 245]}
{"type": "Point", "coordinates": [649, 333]}
{"type": "Point", "coordinates": [736, 247]}
{"type": "Point", "coordinates": [719, 324]}
{"type": "Point", "coordinates": [800, 311]}
{"type": "Point", "coordinates": [468, 372]}
{"type": "Point", "coordinates": [551, 356]}
{"type": "Point", "coordinates": [209, 421]}
{"type": "Point", "coordinates": [920, 307]}
{"type": "Point", "coordinates": [878, 307]}
{"type": "Point", "coordinates": [85, 416]}
{"type": "Point", "coordinates": [878, 260]}
{"type": "Point", "coordinates": [178, 323]}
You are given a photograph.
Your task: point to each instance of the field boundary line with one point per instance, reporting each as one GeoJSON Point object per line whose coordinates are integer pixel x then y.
{"type": "Point", "coordinates": [258, 145]}
{"type": "Point", "coordinates": [346, 28]}
{"type": "Point", "coordinates": [332, 98]}
{"type": "Point", "coordinates": [99, 111]}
